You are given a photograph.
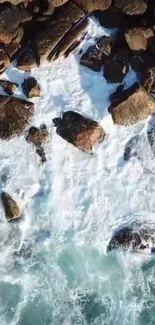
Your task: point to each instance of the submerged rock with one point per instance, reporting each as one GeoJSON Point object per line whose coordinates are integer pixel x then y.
{"type": "Point", "coordinates": [39, 137]}
{"type": "Point", "coordinates": [133, 105]}
{"type": "Point", "coordinates": [133, 239]}
{"type": "Point", "coordinates": [78, 130]}
{"type": "Point", "coordinates": [115, 71]}
{"type": "Point", "coordinates": [15, 116]}
{"type": "Point", "coordinates": [8, 86]}
{"type": "Point", "coordinates": [31, 88]}
{"type": "Point", "coordinates": [11, 208]}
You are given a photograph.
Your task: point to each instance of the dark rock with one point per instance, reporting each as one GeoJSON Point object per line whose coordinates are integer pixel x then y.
{"type": "Point", "coordinates": [11, 49]}
{"type": "Point", "coordinates": [131, 148]}
{"type": "Point", "coordinates": [132, 239]}
{"type": "Point", "coordinates": [131, 7]}
{"type": "Point", "coordinates": [142, 61]}
{"type": "Point", "coordinates": [116, 94]}
{"type": "Point", "coordinates": [80, 131]}
{"type": "Point", "coordinates": [25, 15]}
{"type": "Point", "coordinates": [115, 71]}
{"type": "Point", "coordinates": [148, 80]}
{"type": "Point", "coordinates": [133, 105]}
{"type": "Point", "coordinates": [123, 54]}
{"type": "Point", "coordinates": [15, 116]}
{"type": "Point", "coordinates": [31, 88]}
{"type": "Point", "coordinates": [27, 60]}
{"type": "Point", "coordinates": [139, 38]}
{"type": "Point", "coordinates": [41, 153]}
{"type": "Point", "coordinates": [4, 60]}
{"type": "Point", "coordinates": [11, 208]}
{"type": "Point", "coordinates": [19, 35]}
{"type": "Point", "coordinates": [92, 5]}
{"type": "Point", "coordinates": [111, 18]}
{"type": "Point", "coordinates": [8, 86]}
{"type": "Point", "coordinates": [49, 8]}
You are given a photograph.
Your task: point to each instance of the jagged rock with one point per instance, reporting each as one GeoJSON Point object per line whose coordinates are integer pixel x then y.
{"type": "Point", "coordinates": [148, 80]}
{"type": "Point", "coordinates": [139, 38]}
{"type": "Point", "coordinates": [93, 58]}
{"type": "Point", "coordinates": [92, 5]}
{"type": "Point", "coordinates": [80, 131]}
{"type": "Point", "coordinates": [132, 239]}
{"type": "Point", "coordinates": [15, 116]}
{"type": "Point", "coordinates": [131, 7]}
{"type": "Point", "coordinates": [11, 208]}
{"type": "Point", "coordinates": [115, 71]}
{"type": "Point", "coordinates": [27, 60]}
{"type": "Point", "coordinates": [31, 88]}
{"type": "Point", "coordinates": [8, 31]}
{"type": "Point", "coordinates": [38, 136]}
{"type": "Point", "coordinates": [47, 40]}
{"type": "Point", "coordinates": [133, 105]}
{"type": "Point", "coordinates": [8, 86]}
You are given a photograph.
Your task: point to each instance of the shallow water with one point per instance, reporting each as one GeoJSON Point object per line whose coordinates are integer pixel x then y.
{"type": "Point", "coordinates": [54, 267]}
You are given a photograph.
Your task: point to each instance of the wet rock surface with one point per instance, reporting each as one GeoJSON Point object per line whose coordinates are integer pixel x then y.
{"type": "Point", "coordinates": [39, 137]}
{"type": "Point", "coordinates": [8, 86]}
{"type": "Point", "coordinates": [78, 130]}
{"type": "Point", "coordinates": [11, 208]}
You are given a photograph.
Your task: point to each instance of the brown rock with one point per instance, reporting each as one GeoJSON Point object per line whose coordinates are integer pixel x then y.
{"type": "Point", "coordinates": [47, 41]}
{"type": "Point", "coordinates": [15, 116]}
{"type": "Point", "coordinates": [8, 86]}
{"type": "Point", "coordinates": [11, 208]}
{"type": "Point", "coordinates": [4, 60]}
{"type": "Point", "coordinates": [133, 105]}
{"type": "Point", "coordinates": [148, 80]}
{"type": "Point", "coordinates": [15, 2]}
{"type": "Point", "coordinates": [80, 131]}
{"type": "Point", "coordinates": [131, 7]}
{"type": "Point", "coordinates": [58, 3]}
{"type": "Point", "coordinates": [8, 31]}
{"type": "Point", "coordinates": [31, 87]}
{"type": "Point", "coordinates": [139, 38]}
{"type": "Point", "coordinates": [38, 136]}
{"type": "Point", "coordinates": [115, 71]}
{"type": "Point", "coordinates": [19, 35]}
{"type": "Point", "coordinates": [92, 5]}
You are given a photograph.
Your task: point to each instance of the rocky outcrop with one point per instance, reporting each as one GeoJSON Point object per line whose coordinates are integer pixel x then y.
{"type": "Point", "coordinates": [11, 208]}
{"type": "Point", "coordinates": [78, 130]}
{"type": "Point", "coordinates": [133, 239]}
{"type": "Point", "coordinates": [31, 88]}
{"type": "Point", "coordinates": [133, 105]}
{"type": "Point", "coordinates": [8, 86]}
{"type": "Point", "coordinates": [15, 116]}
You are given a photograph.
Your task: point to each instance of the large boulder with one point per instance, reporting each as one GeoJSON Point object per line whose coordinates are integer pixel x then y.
{"type": "Point", "coordinates": [15, 116]}
{"type": "Point", "coordinates": [135, 239]}
{"type": "Point", "coordinates": [92, 5]}
{"type": "Point", "coordinates": [11, 208]}
{"type": "Point", "coordinates": [131, 7]}
{"type": "Point", "coordinates": [78, 130]}
{"type": "Point", "coordinates": [139, 38]}
{"type": "Point", "coordinates": [132, 105]}
{"type": "Point", "coordinates": [9, 23]}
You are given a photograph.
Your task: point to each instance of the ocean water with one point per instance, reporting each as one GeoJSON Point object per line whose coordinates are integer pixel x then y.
{"type": "Point", "coordinates": [54, 265]}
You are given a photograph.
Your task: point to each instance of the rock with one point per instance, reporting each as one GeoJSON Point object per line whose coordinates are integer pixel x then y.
{"type": "Point", "coordinates": [48, 9]}
{"type": "Point", "coordinates": [132, 239]}
{"type": "Point", "coordinates": [27, 60]}
{"type": "Point", "coordinates": [41, 153]}
{"type": "Point", "coordinates": [131, 148]}
{"type": "Point", "coordinates": [8, 86]}
{"type": "Point", "coordinates": [8, 31]}
{"type": "Point", "coordinates": [148, 80]}
{"type": "Point", "coordinates": [58, 3]}
{"type": "Point", "coordinates": [38, 136]}
{"type": "Point", "coordinates": [24, 15]}
{"type": "Point", "coordinates": [15, 116]}
{"type": "Point", "coordinates": [115, 71]}
{"type": "Point", "coordinates": [12, 211]}
{"type": "Point", "coordinates": [80, 131]}
{"type": "Point", "coordinates": [93, 58]}
{"type": "Point", "coordinates": [15, 2]}
{"type": "Point", "coordinates": [4, 60]}
{"type": "Point", "coordinates": [31, 88]}
{"type": "Point", "coordinates": [139, 38]}
{"type": "Point", "coordinates": [131, 7]}
{"type": "Point", "coordinates": [92, 5]}
{"type": "Point", "coordinates": [142, 61]}
{"type": "Point", "coordinates": [110, 18]}
{"type": "Point", "coordinates": [19, 35]}
{"type": "Point", "coordinates": [133, 105]}
{"type": "Point", "coordinates": [47, 40]}
{"type": "Point", "coordinates": [11, 49]}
